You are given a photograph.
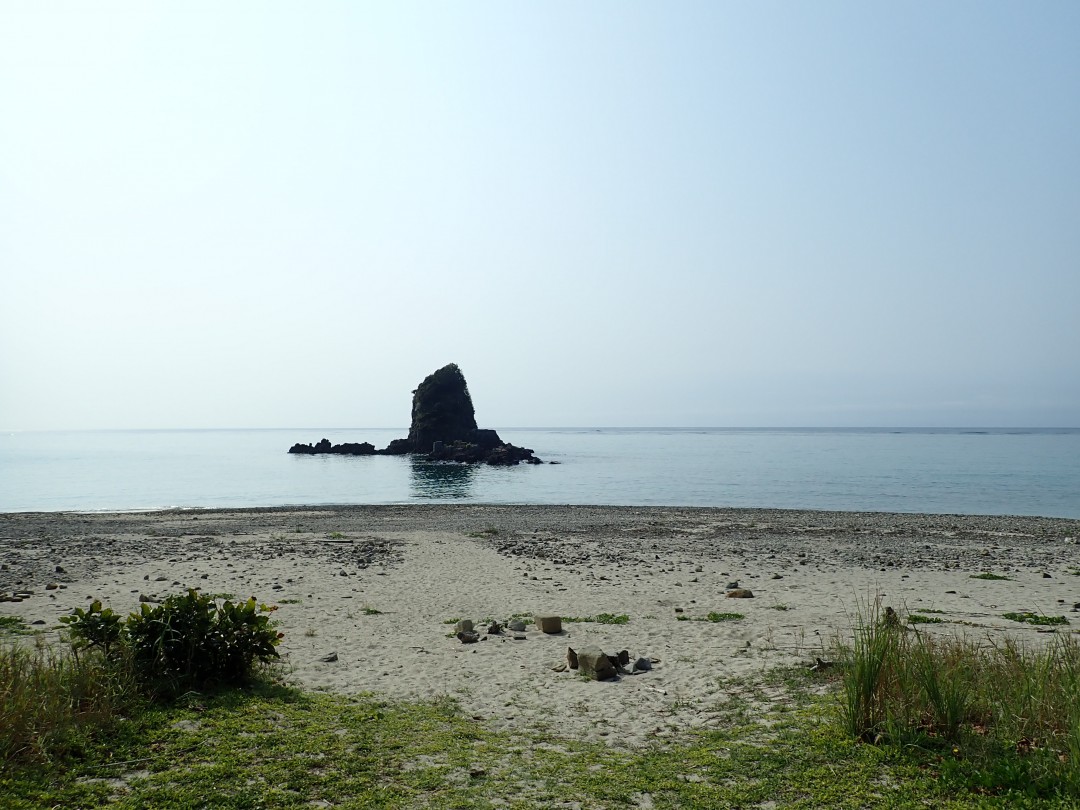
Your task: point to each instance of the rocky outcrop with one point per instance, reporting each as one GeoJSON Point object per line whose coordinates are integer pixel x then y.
{"type": "Point", "coordinates": [345, 449]}
{"type": "Point", "coordinates": [443, 428]}
{"type": "Point", "coordinates": [442, 411]}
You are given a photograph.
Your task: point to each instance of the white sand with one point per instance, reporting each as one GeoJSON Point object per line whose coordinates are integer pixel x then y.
{"type": "Point", "coordinates": [329, 570]}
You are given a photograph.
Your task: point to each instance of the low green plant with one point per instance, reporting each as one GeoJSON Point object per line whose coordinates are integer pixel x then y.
{"type": "Point", "coordinates": [336, 536]}
{"type": "Point", "coordinates": [988, 575]}
{"type": "Point", "coordinates": [600, 618]}
{"type": "Point", "coordinates": [917, 618]}
{"type": "Point", "coordinates": [370, 611]}
{"type": "Point", "coordinates": [1035, 618]}
{"type": "Point", "coordinates": [611, 618]}
{"type": "Point", "coordinates": [713, 616]}
{"type": "Point", "coordinates": [724, 617]}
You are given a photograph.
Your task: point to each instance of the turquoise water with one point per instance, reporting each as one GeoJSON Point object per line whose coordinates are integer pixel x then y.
{"type": "Point", "coordinates": [1008, 471]}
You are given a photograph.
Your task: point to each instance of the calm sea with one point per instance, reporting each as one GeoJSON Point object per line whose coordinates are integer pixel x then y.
{"type": "Point", "coordinates": [964, 471]}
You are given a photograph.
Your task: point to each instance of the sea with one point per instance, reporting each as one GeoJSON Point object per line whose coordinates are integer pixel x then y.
{"type": "Point", "coordinates": [982, 471]}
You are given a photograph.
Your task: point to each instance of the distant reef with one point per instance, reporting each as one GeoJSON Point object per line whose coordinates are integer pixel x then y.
{"type": "Point", "coordinates": [443, 429]}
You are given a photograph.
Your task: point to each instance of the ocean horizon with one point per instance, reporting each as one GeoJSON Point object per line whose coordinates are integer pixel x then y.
{"type": "Point", "coordinates": [945, 470]}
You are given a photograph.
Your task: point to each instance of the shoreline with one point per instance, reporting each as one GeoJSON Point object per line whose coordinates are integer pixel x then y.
{"type": "Point", "coordinates": [380, 586]}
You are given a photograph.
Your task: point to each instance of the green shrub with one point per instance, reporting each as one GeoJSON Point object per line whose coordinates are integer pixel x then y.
{"type": "Point", "coordinates": [95, 627]}
{"type": "Point", "coordinates": [187, 641]}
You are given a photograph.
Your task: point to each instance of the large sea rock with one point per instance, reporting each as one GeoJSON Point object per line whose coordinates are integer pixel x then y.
{"type": "Point", "coordinates": [443, 428]}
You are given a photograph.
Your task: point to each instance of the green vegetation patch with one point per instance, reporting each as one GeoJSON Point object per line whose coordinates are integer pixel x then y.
{"type": "Point", "coordinates": [916, 618]}
{"type": "Point", "coordinates": [782, 743]}
{"type": "Point", "coordinates": [714, 616]}
{"type": "Point", "coordinates": [988, 575]}
{"type": "Point", "coordinates": [1035, 618]}
{"type": "Point", "coordinates": [14, 625]}
{"type": "Point", "coordinates": [600, 618]}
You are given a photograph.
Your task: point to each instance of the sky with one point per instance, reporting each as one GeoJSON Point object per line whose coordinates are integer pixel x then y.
{"type": "Point", "coordinates": [268, 214]}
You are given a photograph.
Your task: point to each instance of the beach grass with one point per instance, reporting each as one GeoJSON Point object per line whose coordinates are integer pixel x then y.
{"type": "Point", "coordinates": [780, 739]}
{"type": "Point", "coordinates": [1001, 716]}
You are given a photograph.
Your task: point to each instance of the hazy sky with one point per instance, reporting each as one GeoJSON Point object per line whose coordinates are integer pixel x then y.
{"type": "Point", "coordinates": [607, 213]}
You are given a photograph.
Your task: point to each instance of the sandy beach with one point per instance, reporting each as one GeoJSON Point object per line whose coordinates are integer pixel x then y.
{"type": "Point", "coordinates": [377, 590]}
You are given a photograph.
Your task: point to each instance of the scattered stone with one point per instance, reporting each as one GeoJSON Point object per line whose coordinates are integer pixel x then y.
{"type": "Point", "coordinates": [494, 629]}
{"type": "Point", "coordinates": [571, 658]}
{"type": "Point", "coordinates": [560, 667]}
{"type": "Point", "coordinates": [464, 626]}
{"type": "Point", "coordinates": [52, 586]}
{"type": "Point", "coordinates": [642, 665]}
{"type": "Point", "coordinates": [329, 659]}
{"type": "Point", "coordinates": [548, 624]}
{"type": "Point", "coordinates": [38, 621]}
{"type": "Point", "coordinates": [517, 625]}
{"type": "Point", "coordinates": [740, 593]}
{"type": "Point", "coordinates": [733, 584]}
{"type": "Point", "coordinates": [468, 637]}
{"type": "Point", "coordinates": [593, 662]}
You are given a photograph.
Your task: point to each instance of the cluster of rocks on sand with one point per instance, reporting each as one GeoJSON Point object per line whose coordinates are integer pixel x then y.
{"type": "Point", "coordinates": [369, 597]}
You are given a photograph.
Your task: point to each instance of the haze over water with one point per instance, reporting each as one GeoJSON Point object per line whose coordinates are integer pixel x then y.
{"type": "Point", "coordinates": [963, 471]}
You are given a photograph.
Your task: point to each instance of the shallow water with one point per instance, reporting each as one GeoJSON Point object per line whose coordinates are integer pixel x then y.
{"type": "Point", "coordinates": [963, 471]}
